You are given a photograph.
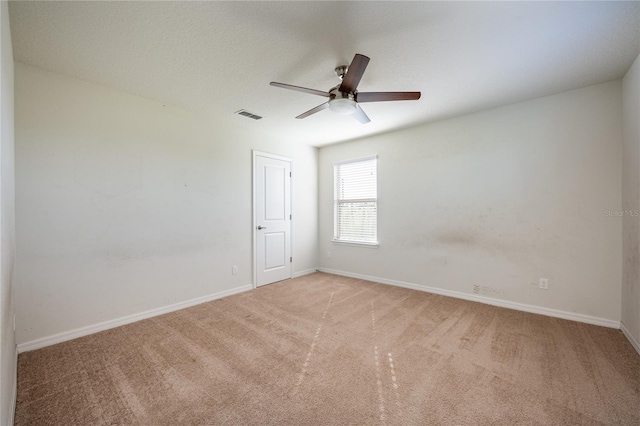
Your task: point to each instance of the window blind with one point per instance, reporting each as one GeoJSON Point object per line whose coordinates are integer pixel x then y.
{"type": "Point", "coordinates": [356, 201]}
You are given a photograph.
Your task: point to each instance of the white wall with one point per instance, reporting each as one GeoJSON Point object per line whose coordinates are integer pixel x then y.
{"type": "Point", "coordinates": [7, 225]}
{"type": "Point", "coordinates": [124, 205]}
{"type": "Point", "coordinates": [498, 199]}
{"type": "Point", "coordinates": [631, 204]}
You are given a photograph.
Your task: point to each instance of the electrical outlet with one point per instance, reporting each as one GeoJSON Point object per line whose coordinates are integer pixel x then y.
{"type": "Point", "coordinates": [544, 283]}
{"type": "Point", "coordinates": [328, 255]}
{"type": "Point", "coordinates": [234, 270]}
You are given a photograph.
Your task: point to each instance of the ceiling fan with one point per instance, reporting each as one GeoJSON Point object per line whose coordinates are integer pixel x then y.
{"type": "Point", "coordinates": [344, 98]}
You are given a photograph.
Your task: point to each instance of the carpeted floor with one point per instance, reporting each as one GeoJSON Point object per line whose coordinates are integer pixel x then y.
{"type": "Point", "coordinates": [326, 350]}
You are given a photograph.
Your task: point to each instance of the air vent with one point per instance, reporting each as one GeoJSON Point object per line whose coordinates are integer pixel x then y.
{"type": "Point", "coordinates": [248, 114]}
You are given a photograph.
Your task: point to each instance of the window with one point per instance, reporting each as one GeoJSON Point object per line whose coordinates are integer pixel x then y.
{"type": "Point", "coordinates": [355, 201]}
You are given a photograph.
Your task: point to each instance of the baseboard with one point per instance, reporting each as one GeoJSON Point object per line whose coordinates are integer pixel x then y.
{"type": "Point", "coordinates": [634, 342]}
{"type": "Point", "coordinates": [482, 299]}
{"type": "Point", "coordinates": [95, 328]}
{"type": "Point", "coordinates": [303, 273]}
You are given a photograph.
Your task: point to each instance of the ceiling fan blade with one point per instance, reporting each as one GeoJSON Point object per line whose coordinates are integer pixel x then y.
{"type": "Point", "coordinates": [360, 115]}
{"type": "Point", "coordinates": [300, 89]}
{"type": "Point", "coordinates": [314, 110]}
{"type": "Point", "coordinates": [354, 73]}
{"type": "Point", "coordinates": [386, 96]}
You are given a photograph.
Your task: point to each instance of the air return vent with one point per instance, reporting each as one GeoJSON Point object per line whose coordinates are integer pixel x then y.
{"type": "Point", "coordinates": [248, 114]}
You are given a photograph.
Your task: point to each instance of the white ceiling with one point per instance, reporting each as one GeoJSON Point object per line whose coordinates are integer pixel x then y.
{"type": "Point", "coordinates": [218, 57]}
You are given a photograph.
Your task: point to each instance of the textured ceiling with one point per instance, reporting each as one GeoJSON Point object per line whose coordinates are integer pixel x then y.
{"type": "Point", "coordinates": [218, 57]}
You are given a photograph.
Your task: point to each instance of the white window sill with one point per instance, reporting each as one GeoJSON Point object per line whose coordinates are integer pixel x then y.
{"type": "Point", "coordinates": [356, 243]}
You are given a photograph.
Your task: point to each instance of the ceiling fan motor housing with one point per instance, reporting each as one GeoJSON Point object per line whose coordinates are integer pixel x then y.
{"type": "Point", "coordinates": [337, 94]}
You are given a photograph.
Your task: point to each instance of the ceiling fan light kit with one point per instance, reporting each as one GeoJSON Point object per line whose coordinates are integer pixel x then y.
{"type": "Point", "coordinates": [344, 98]}
{"type": "Point", "coordinates": [342, 106]}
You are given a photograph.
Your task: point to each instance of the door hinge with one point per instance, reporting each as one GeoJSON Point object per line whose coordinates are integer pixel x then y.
{"type": "Point", "coordinates": [291, 259]}
{"type": "Point", "coordinates": [289, 174]}
{"type": "Point", "coordinates": [290, 217]}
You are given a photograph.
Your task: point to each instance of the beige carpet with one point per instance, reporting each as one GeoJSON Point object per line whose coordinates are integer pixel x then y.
{"type": "Point", "coordinates": [330, 350]}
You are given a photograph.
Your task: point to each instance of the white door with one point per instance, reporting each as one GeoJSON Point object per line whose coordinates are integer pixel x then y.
{"type": "Point", "coordinates": [272, 218]}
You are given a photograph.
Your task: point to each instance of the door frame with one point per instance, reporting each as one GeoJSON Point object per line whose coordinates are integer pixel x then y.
{"type": "Point", "coordinates": [254, 210]}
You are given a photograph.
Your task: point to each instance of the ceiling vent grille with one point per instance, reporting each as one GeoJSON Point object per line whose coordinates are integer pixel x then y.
{"type": "Point", "coordinates": [248, 114]}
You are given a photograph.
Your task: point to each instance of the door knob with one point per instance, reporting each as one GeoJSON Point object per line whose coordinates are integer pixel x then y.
{"type": "Point", "coordinates": [262, 227]}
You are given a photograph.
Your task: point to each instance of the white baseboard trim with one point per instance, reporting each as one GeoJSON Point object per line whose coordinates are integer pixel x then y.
{"type": "Point", "coordinates": [634, 342]}
{"type": "Point", "coordinates": [482, 299]}
{"type": "Point", "coordinates": [303, 273]}
{"type": "Point", "coordinates": [95, 328]}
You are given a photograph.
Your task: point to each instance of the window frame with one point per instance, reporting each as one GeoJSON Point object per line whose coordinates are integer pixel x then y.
{"type": "Point", "coordinates": [337, 201]}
